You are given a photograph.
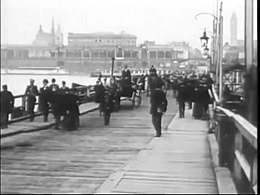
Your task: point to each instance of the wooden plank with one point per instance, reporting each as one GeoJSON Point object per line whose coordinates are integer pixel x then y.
{"type": "Point", "coordinates": [214, 149]}
{"type": "Point", "coordinates": [76, 161]}
{"type": "Point", "coordinates": [176, 163]}
{"type": "Point", "coordinates": [224, 180]}
{"type": "Point", "coordinates": [243, 163]}
{"type": "Point", "coordinates": [247, 129]}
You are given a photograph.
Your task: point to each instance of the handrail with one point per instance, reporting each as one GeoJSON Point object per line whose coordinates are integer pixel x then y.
{"type": "Point", "coordinates": [216, 98]}
{"type": "Point", "coordinates": [248, 130]}
{"type": "Point", "coordinates": [242, 154]}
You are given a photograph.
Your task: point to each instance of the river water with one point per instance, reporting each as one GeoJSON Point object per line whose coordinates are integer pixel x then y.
{"type": "Point", "coordinates": [17, 83]}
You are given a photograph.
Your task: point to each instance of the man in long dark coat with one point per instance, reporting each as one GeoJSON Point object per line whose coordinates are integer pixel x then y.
{"type": "Point", "coordinates": [158, 101]}
{"type": "Point", "coordinates": [181, 96]}
{"type": "Point", "coordinates": [44, 97]}
{"type": "Point", "coordinates": [31, 92]}
{"type": "Point", "coordinates": [7, 104]}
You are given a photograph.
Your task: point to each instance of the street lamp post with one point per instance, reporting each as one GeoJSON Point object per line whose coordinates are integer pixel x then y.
{"type": "Point", "coordinates": [214, 38]}
{"type": "Point", "coordinates": [112, 68]}
{"type": "Point", "coordinates": [217, 47]}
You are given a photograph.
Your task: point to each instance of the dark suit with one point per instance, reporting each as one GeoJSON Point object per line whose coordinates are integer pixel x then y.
{"type": "Point", "coordinates": [155, 82]}
{"type": "Point", "coordinates": [31, 92]}
{"type": "Point", "coordinates": [43, 102]}
{"type": "Point", "coordinates": [65, 105]}
{"type": "Point", "coordinates": [106, 105]}
{"type": "Point", "coordinates": [181, 98]}
{"type": "Point", "coordinates": [54, 87]}
{"type": "Point", "coordinates": [64, 90]}
{"type": "Point", "coordinates": [99, 92]}
{"type": "Point", "coordinates": [126, 74]}
{"type": "Point", "coordinates": [7, 104]}
{"type": "Point", "coordinates": [157, 97]}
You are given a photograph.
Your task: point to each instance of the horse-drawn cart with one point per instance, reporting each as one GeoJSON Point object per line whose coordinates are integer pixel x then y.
{"type": "Point", "coordinates": [130, 92]}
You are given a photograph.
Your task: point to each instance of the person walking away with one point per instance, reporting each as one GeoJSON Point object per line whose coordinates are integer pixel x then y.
{"type": "Point", "coordinates": [142, 81]}
{"type": "Point", "coordinates": [31, 92]}
{"type": "Point", "coordinates": [64, 89]}
{"type": "Point", "coordinates": [44, 97]}
{"type": "Point", "coordinates": [181, 97]}
{"type": "Point", "coordinates": [206, 100]}
{"type": "Point", "coordinates": [147, 85]}
{"type": "Point", "coordinates": [190, 91]}
{"type": "Point", "coordinates": [114, 90]}
{"type": "Point", "coordinates": [199, 105]}
{"type": "Point", "coordinates": [7, 104]}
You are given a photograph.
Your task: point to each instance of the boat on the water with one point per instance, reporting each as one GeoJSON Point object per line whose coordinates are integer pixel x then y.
{"type": "Point", "coordinates": [134, 72]}
{"type": "Point", "coordinates": [36, 71]}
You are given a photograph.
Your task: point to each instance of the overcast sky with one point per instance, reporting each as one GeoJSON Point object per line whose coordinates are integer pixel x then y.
{"type": "Point", "coordinates": [155, 20]}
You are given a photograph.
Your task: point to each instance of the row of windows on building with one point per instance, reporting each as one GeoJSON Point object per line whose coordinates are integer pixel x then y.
{"type": "Point", "coordinates": [143, 54]}
{"type": "Point", "coordinates": [78, 42]}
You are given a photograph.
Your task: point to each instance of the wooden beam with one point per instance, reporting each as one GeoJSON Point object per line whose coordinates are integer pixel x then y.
{"type": "Point", "coordinates": [243, 163]}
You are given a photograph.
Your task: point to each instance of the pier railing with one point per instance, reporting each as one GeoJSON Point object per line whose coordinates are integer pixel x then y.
{"type": "Point", "coordinates": [19, 113]}
{"type": "Point", "coordinates": [237, 141]}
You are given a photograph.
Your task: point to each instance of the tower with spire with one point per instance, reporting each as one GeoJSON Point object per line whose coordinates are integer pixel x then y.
{"type": "Point", "coordinates": [49, 39]}
{"type": "Point", "coordinates": [59, 37]}
{"type": "Point", "coordinates": [233, 29]}
{"type": "Point", "coordinates": [53, 32]}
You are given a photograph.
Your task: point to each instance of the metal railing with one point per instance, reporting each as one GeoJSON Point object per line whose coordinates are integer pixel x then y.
{"type": "Point", "coordinates": [237, 141]}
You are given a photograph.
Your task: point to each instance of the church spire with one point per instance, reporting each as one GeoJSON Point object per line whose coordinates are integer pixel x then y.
{"type": "Point", "coordinates": [53, 32]}
{"type": "Point", "coordinates": [40, 29]}
{"type": "Point", "coordinates": [58, 29]}
{"type": "Point", "coordinates": [52, 27]}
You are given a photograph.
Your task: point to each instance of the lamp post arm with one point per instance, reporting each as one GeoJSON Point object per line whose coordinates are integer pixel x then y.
{"type": "Point", "coordinates": [215, 17]}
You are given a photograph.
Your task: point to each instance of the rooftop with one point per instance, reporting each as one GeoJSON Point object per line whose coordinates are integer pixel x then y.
{"type": "Point", "coordinates": [100, 35]}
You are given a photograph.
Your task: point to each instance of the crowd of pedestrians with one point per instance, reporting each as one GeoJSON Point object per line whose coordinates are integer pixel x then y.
{"type": "Point", "coordinates": [51, 97]}
{"type": "Point", "coordinates": [188, 89]}
{"type": "Point", "coordinates": [193, 90]}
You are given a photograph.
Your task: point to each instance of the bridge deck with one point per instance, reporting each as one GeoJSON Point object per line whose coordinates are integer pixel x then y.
{"type": "Point", "coordinates": [85, 161]}
{"type": "Point", "coordinates": [178, 162]}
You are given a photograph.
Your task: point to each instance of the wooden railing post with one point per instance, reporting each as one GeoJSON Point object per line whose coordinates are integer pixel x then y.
{"type": "Point", "coordinates": [238, 173]}
{"type": "Point", "coordinates": [222, 138]}
{"type": "Point", "coordinates": [253, 173]}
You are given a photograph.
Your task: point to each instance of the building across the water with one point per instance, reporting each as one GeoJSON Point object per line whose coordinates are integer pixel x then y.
{"type": "Point", "coordinates": [87, 52]}
{"type": "Point", "coordinates": [101, 39]}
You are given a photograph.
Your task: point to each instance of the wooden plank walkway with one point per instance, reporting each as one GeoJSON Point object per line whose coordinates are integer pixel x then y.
{"type": "Point", "coordinates": [178, 162]}
{"type": "Point", "coordinates": [38, 124]}
{"type": "Point", "coordinates": [58, 161]}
